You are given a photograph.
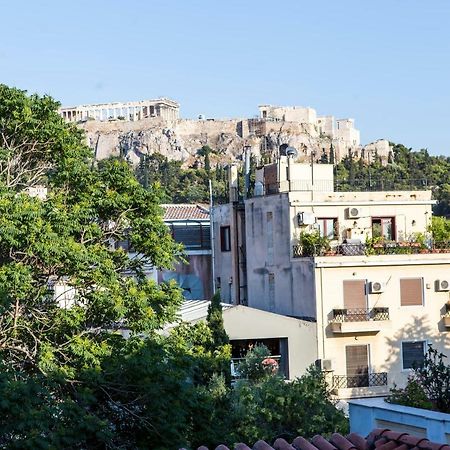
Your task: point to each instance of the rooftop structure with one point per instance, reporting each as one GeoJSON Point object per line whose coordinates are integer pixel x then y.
{"type": "Point", "coordinates": [290, 340]}
{"type": "Point", "coordinates": [128, 111]}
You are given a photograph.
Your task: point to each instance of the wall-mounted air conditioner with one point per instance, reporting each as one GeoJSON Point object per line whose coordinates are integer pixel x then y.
{"type": "Point", "coordinates": [376, 287]}
{"type": "Point", "coordinates": [354, 213]}
{"type": "Point", "coordinates": [305, 218]}
{"type": "Point", "coordinates": [325, 365]}
{"type": "Point", "coordinates": [442, 285]}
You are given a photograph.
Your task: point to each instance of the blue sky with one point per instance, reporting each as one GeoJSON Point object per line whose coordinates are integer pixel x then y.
{"type": "Point", "coordinates": [386, 63]}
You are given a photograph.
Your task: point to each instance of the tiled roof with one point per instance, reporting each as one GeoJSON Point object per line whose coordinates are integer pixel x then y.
{"type": "Point", "coordinates": [378, 439]}
{"type": "Point", "coordinates": [185, 212]}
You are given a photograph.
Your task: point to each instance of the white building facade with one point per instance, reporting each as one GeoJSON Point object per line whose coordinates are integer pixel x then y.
{"type": "Point", "coordinates": [376, 285]}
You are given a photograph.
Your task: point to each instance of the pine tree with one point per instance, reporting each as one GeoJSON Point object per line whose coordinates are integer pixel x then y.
{"type": "Point", "coordinates": [214, 320]}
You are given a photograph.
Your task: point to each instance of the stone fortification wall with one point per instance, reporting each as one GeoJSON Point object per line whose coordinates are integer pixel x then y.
{"type": "Point", "coordinates": [180, 139]}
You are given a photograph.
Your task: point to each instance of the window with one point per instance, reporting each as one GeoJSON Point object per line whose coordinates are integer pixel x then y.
{"type": "Point", "coordinates": [411, 291]}
{"type": "Point", "coordinates": [328, 227]}
{"type": "Point", "coordinates": [225, 239]}
{"type": "Point", "coordinates": [413, 354]}
{"type": "Point", "coordinates": [383, 227]}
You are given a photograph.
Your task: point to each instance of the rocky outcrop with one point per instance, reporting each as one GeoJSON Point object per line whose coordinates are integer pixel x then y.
{"type": "Point", "coordinates": [180, 139]}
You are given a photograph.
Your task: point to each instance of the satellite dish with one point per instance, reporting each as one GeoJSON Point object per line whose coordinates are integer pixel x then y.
{"type": "Point", "coordinates": [190, 284]}
{"type": "Point", "coordinates": [291, 152]}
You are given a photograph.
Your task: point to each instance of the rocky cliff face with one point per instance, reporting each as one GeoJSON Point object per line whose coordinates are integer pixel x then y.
{"type": "Point", "coordinates": [180, 139]}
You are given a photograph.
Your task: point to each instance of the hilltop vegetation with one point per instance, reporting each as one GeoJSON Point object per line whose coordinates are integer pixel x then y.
{"type": "Point", "coordinates": [406, 169]}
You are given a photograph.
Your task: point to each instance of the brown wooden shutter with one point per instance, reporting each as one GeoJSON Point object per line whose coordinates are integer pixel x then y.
{"type": "Point", "coordinates": [355, 294]}
{"type": "Point", "coordinates": [411, 291]}
{"type": "Point", "coordinates": [357, 360]}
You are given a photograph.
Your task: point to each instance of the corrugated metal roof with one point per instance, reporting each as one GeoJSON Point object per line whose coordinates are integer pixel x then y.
{"type": "Point", "coordinates": [195, 310]}
{"type": "Point", "coordinates": [185, 212]}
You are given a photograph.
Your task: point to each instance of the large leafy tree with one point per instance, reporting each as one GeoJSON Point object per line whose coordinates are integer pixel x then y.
{"type": "Point", "coordinates": [68, 378]}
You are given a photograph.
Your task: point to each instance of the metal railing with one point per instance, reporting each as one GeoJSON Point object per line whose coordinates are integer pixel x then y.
{"type": "Point", "coordinates": [363, 380]}
{"type": "Point", "coordinates": [346, 185]}
{"type": "Point", "coordinates": [387, 248]}
{"type": "Point", "coordinates": [359, 314]}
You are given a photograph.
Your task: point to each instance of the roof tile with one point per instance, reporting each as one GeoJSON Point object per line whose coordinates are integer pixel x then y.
{"type": "Point", "coordinates": [302, 444]}
{"type": "Point", "coordinates": [358, 441]}
{"type": "Point", "coordinates": [379, 439]}
{"type": "Point", "coordinates": [262, 445]}
{"type": "Point", "coordinates": [185, 212]}
{"type": "Point", "coordinates": [281, 444]}
{"type": "Point", "coordinates": [321, 443]}
{"type": "Point", "coordinates": [341, 443]}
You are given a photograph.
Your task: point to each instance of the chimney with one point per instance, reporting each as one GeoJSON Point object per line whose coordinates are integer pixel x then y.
{"type": "Point", "coordinates": [233, 183]}
{"type": "Point", "coordinates": [247, 153]}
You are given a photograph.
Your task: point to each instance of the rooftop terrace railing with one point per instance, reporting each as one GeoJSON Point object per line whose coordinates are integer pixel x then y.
{"type": "Point", "coordinates": [362, 249]}
{"type": "Point", "coordinates": [346, 185]}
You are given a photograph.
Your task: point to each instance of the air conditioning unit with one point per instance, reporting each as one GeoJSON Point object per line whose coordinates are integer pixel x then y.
{"type": "Point", "coordinates": [305, 218]}
{"type": "Point", "coordinates": [442, 285]}
{"type": "Point", "coordinates": [354, 213]}
{"type": "Point", "coordinates": [376, 287]}
{"type": "Point", "coordinates": [326, 365]}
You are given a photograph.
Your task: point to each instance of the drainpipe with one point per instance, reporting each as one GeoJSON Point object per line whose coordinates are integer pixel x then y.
{"type": "Point", "coordinates": [211, 233]}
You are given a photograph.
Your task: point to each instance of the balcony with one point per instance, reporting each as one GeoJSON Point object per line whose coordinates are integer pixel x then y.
{"type": "Point", "coordinates": [345, 321]}
{"type": "Point", "coordinates": [364, 385]}
{"type": "Point", "coordinates": [361, 249]}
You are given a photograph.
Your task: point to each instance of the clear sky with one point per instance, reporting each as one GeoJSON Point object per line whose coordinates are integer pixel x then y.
{"type": "Point", "coordinates": [385, 63]}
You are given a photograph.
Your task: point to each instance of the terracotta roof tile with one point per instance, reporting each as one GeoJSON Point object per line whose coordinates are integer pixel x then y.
{"type": "Point", "coordinates": [281, 444]}
{"type": "Point", "coordinates": [379, 439]}
{"type": "Point", "coordinates": [302, 444]}
{"type": "Point", "coordinates": [358, 441]}
{"type": "Point", "coordinates": [321, 443]}
{"type": "Point", "coordinates": [341, 442]}
{"type": "Point", "coordinates": [241, 446]}
{"type": "Point", "coordinates": [385, 444]}
{"type": "Point", "coordinates": [413, 441]}
{"type": "Point", "coordinates": [185, 212]}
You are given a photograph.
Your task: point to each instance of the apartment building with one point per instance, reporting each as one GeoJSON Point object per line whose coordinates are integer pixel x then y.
{"type": "Point", "coordinates": [361, 265]}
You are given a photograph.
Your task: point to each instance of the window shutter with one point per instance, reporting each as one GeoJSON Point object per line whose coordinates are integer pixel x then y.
{"type": "Point", "coordinates": [411, 291]}
{"type": "Point", "coordinates": [357, 360]}
{"type": "Point", "coordinates": [355, 294]}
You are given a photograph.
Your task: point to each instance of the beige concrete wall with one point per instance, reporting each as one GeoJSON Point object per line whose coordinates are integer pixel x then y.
{"type": "Point", "coordinates": [248, 323]}
{"type": "Point", "coordinates": [407, 323]}
{"type": "Point", "coordinates": [411, 209]}
{"type": "Point", "coordinates": [224, 261]}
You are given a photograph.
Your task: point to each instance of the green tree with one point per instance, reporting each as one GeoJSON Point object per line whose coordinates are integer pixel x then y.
{"type": "Point", "coordinates": [214, 320]}
{"type": "Point", "coordinates": [429, 385]}
{"type": "Point", "coordinates": [269, 408]}
{"type": "Point", "coordinates": [78, 382]}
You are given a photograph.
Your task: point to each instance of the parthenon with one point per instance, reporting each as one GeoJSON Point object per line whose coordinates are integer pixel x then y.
{"type": "Point", "coordinates": [129, 111]}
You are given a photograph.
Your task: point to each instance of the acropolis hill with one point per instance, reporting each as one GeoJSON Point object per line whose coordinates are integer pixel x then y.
{"type": "Point", "coordinates": [134, 129]}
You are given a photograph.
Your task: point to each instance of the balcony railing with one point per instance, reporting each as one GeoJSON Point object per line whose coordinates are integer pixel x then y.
{"type": "Point", "coordinates": [359, 315]}
{"type": "Point", "coordinates": [388, 248]}
{"type": "Point", "coordinates": [363, 380]}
